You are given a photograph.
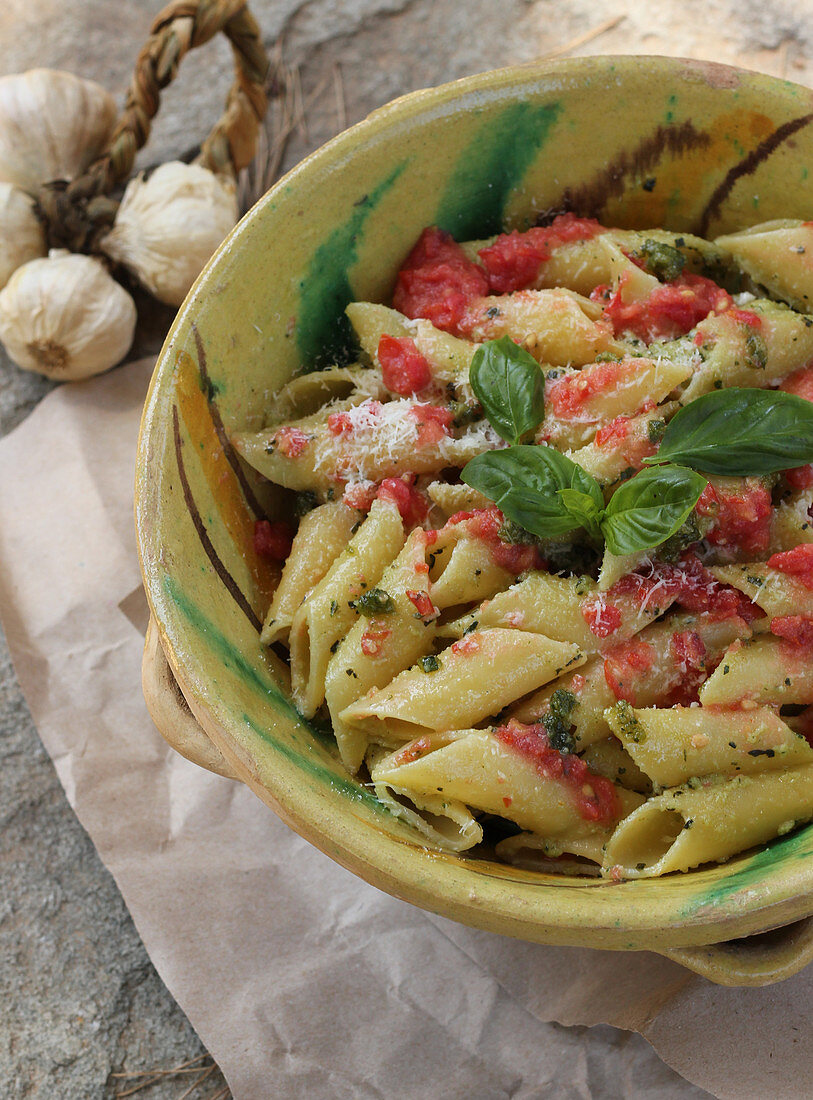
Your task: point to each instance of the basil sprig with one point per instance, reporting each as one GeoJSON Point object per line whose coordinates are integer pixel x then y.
{"type": "Point", "coordinates": [509, 384]}
{"type": "Point", "coordinates": [550, 495]}
{"type": "Point", "coordinates": [740, 433]}
{"type": "Point", "coordinates": [650, 508]}
{"type": "Point", "coordinates": [526, 483]}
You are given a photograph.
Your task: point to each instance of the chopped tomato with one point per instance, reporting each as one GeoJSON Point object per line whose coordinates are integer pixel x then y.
{"type": "Point", "coordinates": [273, 540]}
{"type": "Point", "coordinates": [467, 645]}
{"type": "Point", "coordinates": [670, 310]}
{"type": "Point", "coordinates": [595, 797]}
{"type": "Point", "coordinates": [613, 432]}
{"type": "Point", "coordinates": [700, 592]}
{"type": "Point", "coordinates": [800, 383]}
{"type": "Point", "coordinates": [373, 638]}
{"type": "Point", "coordinates": [411, 502]}
{"type": "Point", "coordinates": [291, 441]}
{"type": "Point", "coordinates": [689, 655]}
{"type": "Point", "coordinates": [360, 495]}
{"type": "Point", "coordinates": [485, 524]}
{"type": "Point", "coordinates": [438, 280]}
{"type": "Point", "coordinates": [603, 618]}
{"type": "Point", "coordinates": [746, 317]}
{"type": "Point", "coordinates": [742, 517]}
{"type": "Point", "coordinates": [413, 751]}
{"type": "Point", "coordinates": [339, 423]}
{"type": "Point", "coordinates": [422, 604]}
{"type": "Point", "coordinates": [566, 397]}
{"type": "Point", "coordinates": [624, 664]}
{"type": "Point", "coordinates": [434, 423]}
{"type": "Point", "coordinates": [514, 259]}
{"type": "Point", "coordinates": [404, 370]}
{"type": "Point", "coordinates": [796, 629]}
{"type": "Point", "coordinates": [797, 563]}
{"type": "Point", "coordinates": [800, 478]}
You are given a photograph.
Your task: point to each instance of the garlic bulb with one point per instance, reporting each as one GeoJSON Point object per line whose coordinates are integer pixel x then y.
{"type": "Point", "coordinates": [22, 237]}
{"type": "Point", "coordinates": [52, 126]}
{"type": "Point", "coordinates": [169, 225]}
{"type": "Point", "coordinates": [64, 316]}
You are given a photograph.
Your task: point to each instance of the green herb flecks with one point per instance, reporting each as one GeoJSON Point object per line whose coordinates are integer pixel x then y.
{"type": "Point", "coordinates": [372, 603]}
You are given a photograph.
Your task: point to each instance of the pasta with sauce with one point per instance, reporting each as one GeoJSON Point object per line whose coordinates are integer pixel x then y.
{"type": "Point", "coordinates": [504, 677]}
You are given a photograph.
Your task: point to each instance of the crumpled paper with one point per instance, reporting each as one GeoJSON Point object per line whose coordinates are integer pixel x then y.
{"type": "Point", "coordinates": [300, 978]}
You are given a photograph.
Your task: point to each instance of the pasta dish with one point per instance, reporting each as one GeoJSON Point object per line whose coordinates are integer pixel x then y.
{"type": "Point", "coordinates": [552, 582]}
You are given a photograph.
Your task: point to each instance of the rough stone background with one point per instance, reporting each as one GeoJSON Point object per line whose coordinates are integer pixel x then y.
{"type": "Point", "coordinates": [80, 999]}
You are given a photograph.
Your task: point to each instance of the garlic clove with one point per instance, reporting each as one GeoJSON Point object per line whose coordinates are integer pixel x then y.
{"type": "Point", "coordinates": [52, 126]}
{"type": "Point", "coordinates": [22, 236]}
{"type": "Point", "coordinates": [169, 225]}
{"type": "Point", "coordinates": [64, 316]}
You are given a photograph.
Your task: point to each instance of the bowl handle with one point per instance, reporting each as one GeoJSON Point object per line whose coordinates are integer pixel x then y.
{"type": "Point", "coordinates": [755, 960]}
{"type": "Point", "coordinates": [170, 711]}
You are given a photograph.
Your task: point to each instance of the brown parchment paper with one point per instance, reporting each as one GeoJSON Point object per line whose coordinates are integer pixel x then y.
{"type": "Point", "coordinates": [301, 979]}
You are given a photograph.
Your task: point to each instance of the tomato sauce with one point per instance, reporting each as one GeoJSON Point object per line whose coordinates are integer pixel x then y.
{"type": "Point", "coordinates": [291, 441]}
{"type": "Point", "coordinates": [800, 383]}
{"type": "Point", "coordinates": [796, 629]}
{"type": "Point", "coordinates": [273, 540]}
{"type": "Point", "coordinates": [434, 422]}
{"type": "Point", "coordinates": [594, 796]}
{"type": "Point", "coordinates": [567, 397]}
{"type": "Point", "coordinates": [438, 281]}
{"type": "Point", "coordinates": [797, 563]}
{"type": "Point", "coordinates": [624, 664]}
{"type": "Point", "coordinates": [485, 524]}
{"type": "Point", "coordinates": [422, 603]}
{"type": "Point", "coordinates": [513, 261]}
{"type": "Point", "coordinates": [411, 502]}
{"type": "Point", "coordinates": [670, 310]}
{"type": "Point", "coordinates": [742, 517]}
{"type": "Point", "coordinates": [404, 370]}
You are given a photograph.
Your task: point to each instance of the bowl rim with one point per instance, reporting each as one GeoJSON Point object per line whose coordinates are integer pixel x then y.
{"type": "Point", "coordinates": [451, 886]}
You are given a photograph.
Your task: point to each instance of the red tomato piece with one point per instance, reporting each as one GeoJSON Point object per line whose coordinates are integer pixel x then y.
{"type": "Point", "coordinates": [438, 281]}
{"type": "Point", "coordinates": [671, 310]}
{"type": "Point", "coordinates": [411, 502]}
{"type": "Point", "coordinates": [603, 618]}
{"type": "Point", "coordinates": [801, 477]}
{"type": "Point", "coordinates": [566, 397]}
{"type": "Point", "coordinates": [796, 629]}
{"type": "Point", "coordinates": [273, 540]}
{"type": "Point", "coordinates": [595, 797]}
{"type": "Point", "coordinates": [373, 638]}
{"type": "Point", "coordinates": [434, 422]}
{"type": "Point", "coordinates": [797, 563]}
{"type": "Point", "coordinates": [514, 259]}
{"type": "Point", "coordinates": [422, 604]}
{"type": "Point", "coordinates": [614, 432]}
{"type": "Point", "coordinates": [291, 441]}
{"type": "Point", "coordinates": [404, 370]}
{"type": "Point", "coordinates": [800, 383]}
{"type": "Point", "coordinates": [742, 517]}
{"type": "Point", "coordinates": [624, 664]}
{"type": "Point", "coordinates": [338, 423]}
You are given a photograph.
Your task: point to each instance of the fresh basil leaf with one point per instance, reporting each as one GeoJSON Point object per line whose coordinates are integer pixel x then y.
{"type": "Point", "coordinates": [584, 509]}
{"type": "Point", "coordinates": [740, 433]}
{"type": "Point", "coordinates": [650, 508]}
{"type": "Point", "coordinates": [525, 481]}
{"type": "Point", "coordinates": [510, 386]}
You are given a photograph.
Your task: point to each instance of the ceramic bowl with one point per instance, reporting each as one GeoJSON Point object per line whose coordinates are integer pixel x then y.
{"type": "Point", "coordinates": [632, 141]}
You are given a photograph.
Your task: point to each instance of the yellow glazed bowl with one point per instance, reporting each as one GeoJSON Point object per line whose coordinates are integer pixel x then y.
{"type": "Point", "coordinates": [631, 141]}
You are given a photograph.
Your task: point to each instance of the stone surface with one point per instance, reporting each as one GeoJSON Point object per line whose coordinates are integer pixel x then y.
{"type": "Point", "coordinates": [81, 1000]}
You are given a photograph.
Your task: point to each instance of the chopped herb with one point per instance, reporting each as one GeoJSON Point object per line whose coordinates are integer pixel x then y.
{"type": "Point", "coordinates": [770, 753]}
{"type": "Point", "coordinates": [756, 351]}
{"type": "Point", "coordinates": [662, 260]}
{"type": "Point", "coordinates": [605, 357]}
{"type": "Point", "coordinates": [757, 582]}
{"type": "Point", "coordinates": [583, 585]}
{"type": "Point", "coordinates": [477, 572]}
{"type": "Point", "coordinates": [355, 527]}
{"type": "Point", "coordinates": [649, 184]}
{"type": "Point", "coordinates": [350, 672]}
{"type": "Point", "coordinates": [687, 824]}
{"type": "Point", "coordinates": [492, 311]}
{"type": "Point", "coordinates": [628, 723]}
{"type": "Point", "coordinates": [430, 663]}
{"type": "Point", "coordinates": [655, 430]}
{"type": "Point", "coordinates": [733, 744]}
{"type": "Point", "coordinates": [472, 626]}
{"type": "Point", "coordinates": [331, 493]}
{"type": "Point", "coordinates": [512, 532]}
{"type": "Point", "coordinates": [334, 607]}
{"type": "Point", "coordinates": [557, 721]}
{"type": "Point", "coordinates": [374, 602]}
{"type": "Point", "coordinates": [335, 645]}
